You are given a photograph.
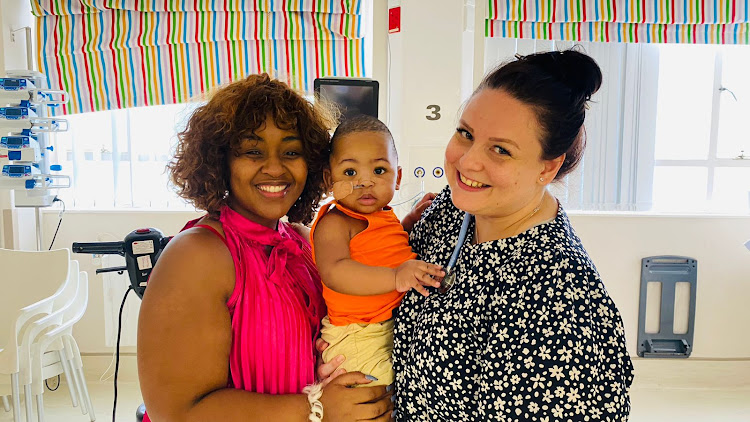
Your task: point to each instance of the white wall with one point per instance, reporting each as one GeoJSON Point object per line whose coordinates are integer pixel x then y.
{"type": "Point", "coordinates": [616, 244]}
{"type": "Point", "coordinates": [15, 14]}
{"type": "Point", "coordinates": [428, 68]}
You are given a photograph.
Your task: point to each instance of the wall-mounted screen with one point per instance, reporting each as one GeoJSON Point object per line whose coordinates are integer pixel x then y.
{"type": "Point", "coordinates": [353, 96]}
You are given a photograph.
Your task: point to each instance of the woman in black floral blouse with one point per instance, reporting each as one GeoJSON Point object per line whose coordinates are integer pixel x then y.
{"type": "Point", "coordinates": [527, 332]}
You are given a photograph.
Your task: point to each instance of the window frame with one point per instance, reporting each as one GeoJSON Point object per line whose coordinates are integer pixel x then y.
{"type": "Point", "coordinates": [648, 71]}
{"type": "Point", "coordinates": [617, 170]}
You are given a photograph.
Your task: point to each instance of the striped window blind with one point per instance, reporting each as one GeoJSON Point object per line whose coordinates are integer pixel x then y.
{"type": "Point", "coordinates": [112, 54]}
{"type": "Point", "coordinates": [632, 21]}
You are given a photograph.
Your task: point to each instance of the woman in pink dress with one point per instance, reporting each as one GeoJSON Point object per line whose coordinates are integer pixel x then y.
{"type": "Point", "coordinates": [229, 321]}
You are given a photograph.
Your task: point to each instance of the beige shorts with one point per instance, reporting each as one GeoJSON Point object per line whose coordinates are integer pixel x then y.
{"type": "Point", "coordinates": [366, 347]}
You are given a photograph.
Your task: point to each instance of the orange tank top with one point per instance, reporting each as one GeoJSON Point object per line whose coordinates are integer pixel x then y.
{"type": "Point", "coordinates": [384, 243]}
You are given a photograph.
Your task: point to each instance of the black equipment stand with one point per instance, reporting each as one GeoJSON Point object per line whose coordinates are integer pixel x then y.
{"type": "Point", "coordinates": [141, 249]}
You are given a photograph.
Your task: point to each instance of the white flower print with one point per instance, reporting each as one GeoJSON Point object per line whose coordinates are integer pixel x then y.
{"type": "Point", "coordinates": [527, 333]}
{"type": "Point", "coordinates": [538, 380]}
{"type": "Point", "coordinates": [575, 373]}
{"type": "Point", "coordinates": [556, 372]}
{"type": "Point", "coordinates": [565, 354]}
{"type": "Point", "coordinates": [573, 395]}
{"type": "Point", "coordinates": [544, 352]}
{"type": "Point", "coordinates": [559, 307]}
{"type": "Point", "coordinates": [557, 411]}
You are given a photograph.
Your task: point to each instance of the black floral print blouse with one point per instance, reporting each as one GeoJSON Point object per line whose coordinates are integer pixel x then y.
{"type": "Point", "coordinates": [527, 333]}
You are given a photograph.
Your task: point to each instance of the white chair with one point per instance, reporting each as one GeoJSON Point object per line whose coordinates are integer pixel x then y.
{"type": "Point", "coordinates": [54, 357]}
{"type": "Point", "coordinates": [47, 272]}
{"type": "Point", "coordinates": [44, 363]}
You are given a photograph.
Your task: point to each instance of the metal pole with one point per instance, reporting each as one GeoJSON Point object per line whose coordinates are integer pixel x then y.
{"type": "Point", "coordinates": [29, 54]}
{"type": "Point", "coordinates": [38, 214]}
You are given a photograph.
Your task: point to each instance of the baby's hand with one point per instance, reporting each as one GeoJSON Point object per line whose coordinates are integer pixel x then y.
{"type": "Point", "coordinates": [416, 274]}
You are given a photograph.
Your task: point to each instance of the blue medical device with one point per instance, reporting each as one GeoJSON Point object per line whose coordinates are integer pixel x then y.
{"type": "Point", "coordinates": [13, 84]}
{"type": "Point", "coordinates": [17, 170]}
{"type": "Point", "coordinates": [14, 113]}
{"type": "Point", "coordinates": [15, 142]}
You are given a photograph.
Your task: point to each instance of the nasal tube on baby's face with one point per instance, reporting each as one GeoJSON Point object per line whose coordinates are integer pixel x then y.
{"type": "Point", "coordinates": [366, 183]}
{"type": "Point", "coordinates": [343, 189]}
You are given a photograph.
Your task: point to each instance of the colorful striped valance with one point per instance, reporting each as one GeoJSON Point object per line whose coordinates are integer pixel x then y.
{"type": "Point", "coordinates": [61, 7]}
{"type": "Point", "coordinates": [111, 54]}
{"type": "Point", "coordinates": [649, 21]}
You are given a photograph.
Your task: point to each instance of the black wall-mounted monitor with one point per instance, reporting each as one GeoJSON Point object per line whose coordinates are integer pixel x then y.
{"type": "Point", "coordinates": [353, 96]}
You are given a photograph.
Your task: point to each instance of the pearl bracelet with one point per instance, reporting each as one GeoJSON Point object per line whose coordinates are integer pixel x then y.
{"type": "Point", "coordinates": [314, 392]}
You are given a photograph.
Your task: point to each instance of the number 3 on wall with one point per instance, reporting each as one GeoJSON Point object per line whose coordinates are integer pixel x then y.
{"type": "Point", "coordinates": [435, 110]}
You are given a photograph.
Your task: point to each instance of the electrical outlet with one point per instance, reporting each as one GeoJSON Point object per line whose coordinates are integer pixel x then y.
{"type": "Point", "coordinates": [429, 161]}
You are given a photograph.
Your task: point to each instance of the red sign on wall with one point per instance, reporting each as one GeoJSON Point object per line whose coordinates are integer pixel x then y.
{"type": "Point", "coordinates": [394, 20]}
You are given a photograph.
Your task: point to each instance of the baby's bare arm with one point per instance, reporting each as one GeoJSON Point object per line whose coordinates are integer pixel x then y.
{"type": "Point", "coordinates": [344, 275]}
{"type": "Point", "coordinates": [338, 270]}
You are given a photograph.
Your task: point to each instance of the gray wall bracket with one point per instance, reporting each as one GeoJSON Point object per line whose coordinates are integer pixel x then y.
{"type": "Point", "coordinates": [667, 270]}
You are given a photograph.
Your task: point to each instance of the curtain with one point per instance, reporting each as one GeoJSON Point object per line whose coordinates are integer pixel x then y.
{"type": "Point", "coordinates": [112, 54]}
{"type": "Point", "coordinates": [633, 21]}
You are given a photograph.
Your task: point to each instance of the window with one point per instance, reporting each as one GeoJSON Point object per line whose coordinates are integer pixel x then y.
{"type": "Point", "coordinates": [667, 131]}
{"type": "Point", "coordinates": [606, 178]}
{"type": "Point", "coordinates": [701, 143]}
{"type": "Point", "coordinates": [117, 159]}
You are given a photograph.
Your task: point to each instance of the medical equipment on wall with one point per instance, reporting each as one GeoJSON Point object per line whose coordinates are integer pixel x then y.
{"type": "Point", "coordinates": [673, 308]}
{"type": "Point", "coordinates": [25, 149]}
{"type": "Point", "coordinates": [16, 90]}
{"type": "Point", "coordinates": [19, 148]}
{"type": "Point", "coordinates": [353, 96]}
{"type": "Point", "coordinates": [35, 125]}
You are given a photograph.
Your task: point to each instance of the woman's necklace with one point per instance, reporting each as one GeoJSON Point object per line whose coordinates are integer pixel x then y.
{"type": "Point", "coordinates": [475, 240]}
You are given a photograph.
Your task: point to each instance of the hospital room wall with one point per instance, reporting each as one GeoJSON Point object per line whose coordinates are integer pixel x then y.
{"type": "Point", "coordinates": [616, 244]}
{"type": "Point", "coordinates": [428, 68]}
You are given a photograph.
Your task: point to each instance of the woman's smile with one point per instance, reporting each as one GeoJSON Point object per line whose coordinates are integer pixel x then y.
{"type": "Point", "coordinates": [470, 184]}
{"type": "Point", "coordinates": [273, 190]}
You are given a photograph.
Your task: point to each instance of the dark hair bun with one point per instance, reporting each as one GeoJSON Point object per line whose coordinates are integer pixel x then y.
{"type": "Point", "coordinates": [580, 72]}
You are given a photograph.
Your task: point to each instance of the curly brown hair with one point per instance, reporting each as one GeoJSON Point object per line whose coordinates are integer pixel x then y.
{"type": "Point", "coordinates": [200, 167]}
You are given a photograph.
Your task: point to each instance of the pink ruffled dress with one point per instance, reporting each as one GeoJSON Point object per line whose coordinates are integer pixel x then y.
{"type": "Point", "coordinates": [275, 308]}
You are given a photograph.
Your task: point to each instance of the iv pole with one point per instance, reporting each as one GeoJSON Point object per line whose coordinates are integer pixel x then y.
{"type": "Point", "coordinates": [30, 66]}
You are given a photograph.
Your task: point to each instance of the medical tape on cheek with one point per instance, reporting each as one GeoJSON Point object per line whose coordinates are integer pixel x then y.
{"type": "Point", "coordinates": [343, 189]}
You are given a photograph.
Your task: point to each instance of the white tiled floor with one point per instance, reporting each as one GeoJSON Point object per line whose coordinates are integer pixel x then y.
{"type": "Point", "coordinates": [58, 408]}
{"type": "Point", "coordinates": [689, 405]}
{"type": "Point", "coordinates": [718, 391]}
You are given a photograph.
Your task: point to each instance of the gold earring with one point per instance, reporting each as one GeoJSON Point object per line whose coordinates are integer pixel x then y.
{"type": "Point", "coordinates": [541, 179]}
